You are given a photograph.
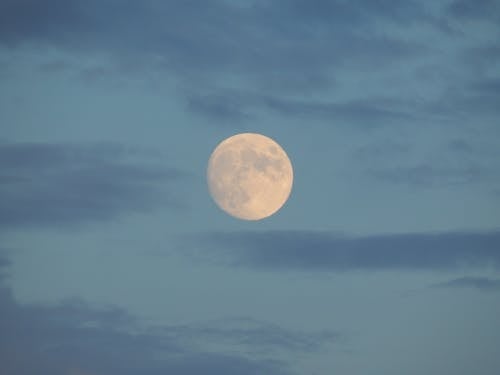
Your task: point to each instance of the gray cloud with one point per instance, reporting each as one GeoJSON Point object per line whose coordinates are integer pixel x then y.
{"type": "Point", "coordinates": [381, 151]}
{"type": "Point", "coordinates": [32, 20]}
{"type": "Point", "coordinates": [324, 251]}
{"type": "Point", "coordinates": [293, 47]}
{"type": "Point", "coordinates": [254, 336]}
{"type": "Point", "coordinates": [482, 56]}
{"type": "Point", "coordinates": [223, 106]}
{"type": "Point", "coordinates": [481, 283]}
{"type": "Point", "coordinates": [72, 338]}
{"type": "Point", "coordinates": [459, 161]}
{"type": "Point", "coordinates": [475, 9]}
{"type": "Point", "coordinates": [63, 184]}
{"type": "Point", "coordinates": [488, 86]}
{"type": "Point", "coordinates": [429, 175]}
{"type": "Point", "coordinates": [474, 99]}
{"type": "Point", "coordinates": [370, 111]}
{"type": "Point", "coordinates": [229, 105]}
{"type": "Point", "coordinates": [293, 44]}
{"type": "Point", "coordinates": [4, 264]}
{"type": "Point", "coordinates": [465, 98]}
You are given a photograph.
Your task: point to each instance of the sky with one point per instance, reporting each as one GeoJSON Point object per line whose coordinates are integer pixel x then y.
{"type": "Point", "coordinates": [114, 259]}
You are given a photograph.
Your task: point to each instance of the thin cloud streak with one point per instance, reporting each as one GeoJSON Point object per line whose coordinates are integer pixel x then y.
{"type": "Point", "coordinates": [469, 282]}
{"type": "Point", "coordinates": [325, 251]}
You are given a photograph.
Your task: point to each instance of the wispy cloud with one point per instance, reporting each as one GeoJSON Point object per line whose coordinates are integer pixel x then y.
{"type": "Point", "coordinates": [231, 105]}
{"type": "Point", "coordinates": [455, 162]}
{"type": "Point", "coordinates": [45, 184]}
{"type": "Point", "coordinates": [290, 43]}
{"type": "Point", "coordinates": [283, 50]}
{"type": "Point", "coordinates": [432, 175]}
{"type": "Point", "coordinates": [481, 283]}
{"type": "Point", "coordinates": [324, 251]}
{"type": "Point", "coordinates": [73, 338]}
{"type": "Point", "coordinates": [253, 335]}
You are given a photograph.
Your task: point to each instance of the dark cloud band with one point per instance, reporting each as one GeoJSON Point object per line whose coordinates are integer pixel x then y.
{"type": "Point", "coordinates": [43, 185]}
{"type": "Point", "coordinates": [309, 250]}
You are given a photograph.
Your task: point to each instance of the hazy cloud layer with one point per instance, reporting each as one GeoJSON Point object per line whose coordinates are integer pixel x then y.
{"type": "Point", "coordinates": [73, 338]}
{"type": "Point", "coordinates": [44, 184]}
{"type": "Point", "coordinates": [285, 38]}
{"type": "Point", "coordinates": [287, 48]}
{"type": "Point", "coordinates": [324, 251]}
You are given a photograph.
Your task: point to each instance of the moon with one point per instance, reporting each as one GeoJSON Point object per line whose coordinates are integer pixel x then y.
{"type": "Point", "coordinates": [249, 176]}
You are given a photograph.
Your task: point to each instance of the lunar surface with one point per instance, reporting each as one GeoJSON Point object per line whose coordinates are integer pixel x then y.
{"type": "Point", "coordinates": [249, 176]}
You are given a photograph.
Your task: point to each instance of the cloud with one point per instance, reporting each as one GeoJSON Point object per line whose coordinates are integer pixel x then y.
{"type": "Point", "coordinates": [481, 283]}
{"type": "Point", "coordinates": [44, 184]}
{"type": "Point", "coordinates": [255, 336]}
{"type": "Point", "coordinates": [325, 251]}
{"type": "Point", "coordinates": [283, 50]}
{"type": "Point", "coordinates": [475, 9]}
{"type": "Point", "coordinates": [478, 97]}
{"type": "Point", "coordinates": [290, 44]}
{"type": "Point", "coordinates": [72, 338]}
{"type": "Point", "coordinates": [482, 56]}
{"type": "Point", "coordinates": [429, 175]}
{"type": "Point", "coordinates": [459, 161]}
{"type": "Point", "coordinates": [221, 106]}
{"type": "Point", "coordinates": [229, 105]}
{"type": "Point", "coordinates": [4, 264]}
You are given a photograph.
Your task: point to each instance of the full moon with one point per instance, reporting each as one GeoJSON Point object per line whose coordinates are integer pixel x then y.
{"type": "Point", "coordinates": [249, 176]}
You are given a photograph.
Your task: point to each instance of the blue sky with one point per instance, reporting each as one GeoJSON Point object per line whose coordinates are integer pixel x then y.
{"type": "Point", "coordinates": [115, 260]}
